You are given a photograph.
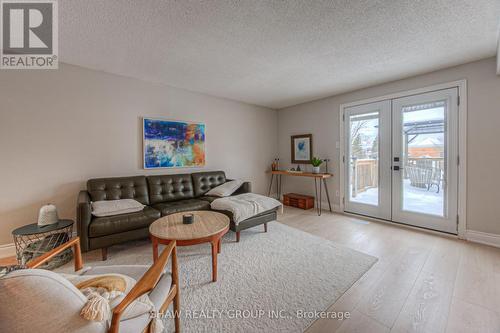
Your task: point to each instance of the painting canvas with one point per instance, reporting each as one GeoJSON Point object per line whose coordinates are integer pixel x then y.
{"type": "Point", "coordinates": [173, 144]}
{"type": "Point", "coordinates": [302, 148]}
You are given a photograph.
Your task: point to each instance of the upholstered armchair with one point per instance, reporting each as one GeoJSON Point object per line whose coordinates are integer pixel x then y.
{"type": "Point", "coordinates": [37, 300]}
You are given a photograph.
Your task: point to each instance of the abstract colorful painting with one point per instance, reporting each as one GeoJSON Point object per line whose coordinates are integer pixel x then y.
{"type": "Point", "coordinates": [173, 144]}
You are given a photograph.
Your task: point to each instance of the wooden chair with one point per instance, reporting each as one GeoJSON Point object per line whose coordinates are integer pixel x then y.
{"type": "Point", "coordinates": [13, 284]}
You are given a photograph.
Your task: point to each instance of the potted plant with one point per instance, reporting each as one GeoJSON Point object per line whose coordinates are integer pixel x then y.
{"type": "Point", "coordinates": [316, 162]}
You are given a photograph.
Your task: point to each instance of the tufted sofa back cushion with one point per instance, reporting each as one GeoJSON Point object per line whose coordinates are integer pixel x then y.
{"type": "Point", "coordinates": [119, 188]}
{"type": "Point", "coordinates": [170, 188]}
{"type": "Point", "coordinates": [205, 181]}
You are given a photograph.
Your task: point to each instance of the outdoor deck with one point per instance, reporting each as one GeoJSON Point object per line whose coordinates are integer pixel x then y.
{"type": "Point", "coordinates": [415, 199]}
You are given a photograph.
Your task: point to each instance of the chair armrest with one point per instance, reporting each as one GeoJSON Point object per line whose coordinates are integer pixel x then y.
{"type": "Point", "coordinates": [147, 283]}
{"type": "Point", "coordinates": [74, 242]}
{"type": "Point", "coordinates": [246, 187]}
{"type": "Point", "coordinates": [83, 218]}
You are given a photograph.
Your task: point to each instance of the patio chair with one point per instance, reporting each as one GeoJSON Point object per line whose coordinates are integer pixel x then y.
{"type": "Point", "coordinates": [424, 177]}
{"type": "Point", "coordinates": [37, 300]}
{"type": "Point", "coordinates": [436, 178]}
{"type": "Point", "coordinates": [419, 177]}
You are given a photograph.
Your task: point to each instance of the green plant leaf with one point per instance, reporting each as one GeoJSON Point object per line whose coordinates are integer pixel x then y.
{"type": "Point", "coordinates": [316, 162]}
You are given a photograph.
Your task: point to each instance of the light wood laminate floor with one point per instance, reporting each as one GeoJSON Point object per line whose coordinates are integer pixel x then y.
{"type": "Point", "coordinates": [422, 282]}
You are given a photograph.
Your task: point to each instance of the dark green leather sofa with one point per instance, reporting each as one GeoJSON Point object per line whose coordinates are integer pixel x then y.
{"type": "Point", "coordinates": [162, 195]}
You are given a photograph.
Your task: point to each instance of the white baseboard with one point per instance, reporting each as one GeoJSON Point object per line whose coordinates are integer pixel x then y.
{"type": "Point", "coordinates": [483, 238]}
{"type": "Point", "coordinates": [7, 250]}
{"type": "Point", "coordinates": [335, 208]}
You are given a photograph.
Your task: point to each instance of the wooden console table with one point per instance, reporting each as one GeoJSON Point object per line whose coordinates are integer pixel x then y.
{"type": "Point", "coordinates": [319, 180]}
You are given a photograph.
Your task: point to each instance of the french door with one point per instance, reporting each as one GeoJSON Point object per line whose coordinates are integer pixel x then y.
{"type": "Point", "coordinates": [401, 160]}
{"type": "Point", "coordinates": [368, 159]}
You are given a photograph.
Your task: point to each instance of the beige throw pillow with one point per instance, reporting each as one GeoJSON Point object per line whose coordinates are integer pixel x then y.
{"type": "Point", "coordinates": [225, 189]}
{"type": "Point", "coordinates": [116, 207]}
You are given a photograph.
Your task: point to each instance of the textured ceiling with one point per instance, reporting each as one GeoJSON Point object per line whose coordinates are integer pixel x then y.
{"type": "Point", "coordinates": [275, 53]}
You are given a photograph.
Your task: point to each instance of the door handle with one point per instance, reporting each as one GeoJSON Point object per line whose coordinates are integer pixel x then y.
{"type": "Point", "coordinates": [395, 168]}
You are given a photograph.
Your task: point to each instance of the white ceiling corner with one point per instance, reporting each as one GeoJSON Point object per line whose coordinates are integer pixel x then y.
{"type": "Point", "coordinates": [275, 53]}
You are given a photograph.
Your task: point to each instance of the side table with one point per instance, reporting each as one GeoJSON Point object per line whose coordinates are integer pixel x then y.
{"type": "Point", "coordinates": [33, 240]}
{"type": "Point", "coordinates": [318, 179]}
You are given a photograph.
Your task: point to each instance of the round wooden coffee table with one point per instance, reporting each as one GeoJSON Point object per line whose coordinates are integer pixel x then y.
{"type": "Point", "coordinates": [208, 227]}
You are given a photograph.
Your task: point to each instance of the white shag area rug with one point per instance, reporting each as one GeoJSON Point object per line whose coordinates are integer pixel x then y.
{"type": "Point", "coordinates": [268, 282]}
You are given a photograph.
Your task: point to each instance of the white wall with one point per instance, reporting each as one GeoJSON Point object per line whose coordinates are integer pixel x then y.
{"type": "Point", "coordinates": [321, 118]}
{"type": "Point", "coordinates": [59, 128]}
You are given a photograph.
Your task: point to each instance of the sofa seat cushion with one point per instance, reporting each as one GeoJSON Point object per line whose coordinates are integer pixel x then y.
{"type": "Point", "coordinates": [108, 225]}
{"type": "Point", "coordinates": [167, 208]}
{"type": "Point", "coordinates": [208, 198]}
{"type": "Point", "coordinates": [245, 206]}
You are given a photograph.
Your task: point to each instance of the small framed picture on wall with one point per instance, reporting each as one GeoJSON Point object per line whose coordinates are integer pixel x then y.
{"type": "Point", "coordinates": [301, 149]}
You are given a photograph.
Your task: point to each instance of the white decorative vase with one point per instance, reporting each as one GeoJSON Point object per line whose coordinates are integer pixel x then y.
{"type": "Point", "coordinates": [315, 169]}
{"type": "Point", "coordinates": [47, 215]}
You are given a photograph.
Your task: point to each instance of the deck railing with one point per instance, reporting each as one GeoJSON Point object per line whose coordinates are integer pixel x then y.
{"type": "Point", "coordinates": [364, 173]}
{"type": "Point", "coordinates": [435, 163]}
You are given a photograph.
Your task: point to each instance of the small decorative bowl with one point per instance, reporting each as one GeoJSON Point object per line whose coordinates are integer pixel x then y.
{"type": "Point", "coordinates": [188, 218]}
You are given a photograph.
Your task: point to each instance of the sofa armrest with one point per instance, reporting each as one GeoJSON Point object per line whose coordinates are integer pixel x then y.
{"type": "Point", "coordinates": [246, 187]}
{"type": "Point", "coordinates": [83, 218]}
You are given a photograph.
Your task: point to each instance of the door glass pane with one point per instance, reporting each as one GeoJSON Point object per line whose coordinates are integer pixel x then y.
{"type": "Point", "coordinates": [364, 158]}
{"type": "Point", "coordinates": [424, 158]}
